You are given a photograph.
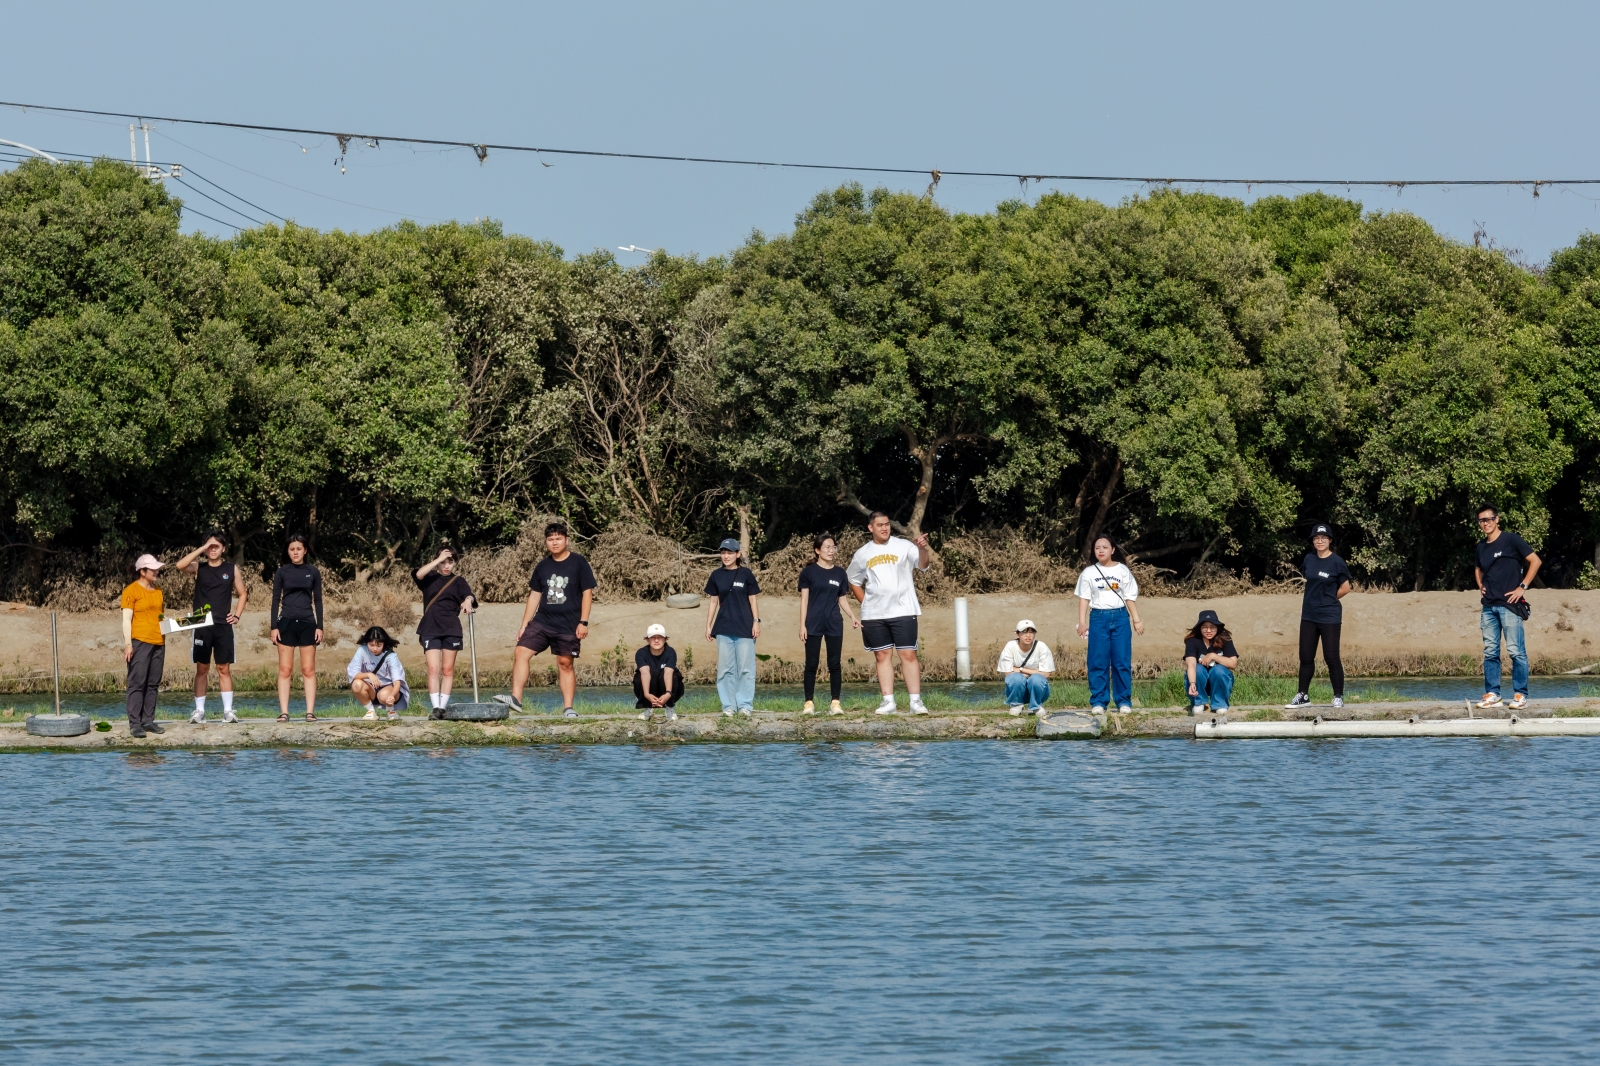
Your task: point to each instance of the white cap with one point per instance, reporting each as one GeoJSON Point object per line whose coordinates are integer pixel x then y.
{"type": "Point", "coordinates": [148, 562]}
{"type": "Point", "coordinates": [656, 629]}
{"type": "Point", "coordinates": [1027, 623]}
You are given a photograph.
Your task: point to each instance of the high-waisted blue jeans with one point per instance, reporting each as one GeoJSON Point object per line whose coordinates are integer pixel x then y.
{"type": "Point", "coordinates": [736, 672]}
{"type": "Point", "coordinates": [1032, 689]}
{"type": "Point", "coordinates": [1214, 685]}
{"type": "Point", "coordinates": [1110, 657]}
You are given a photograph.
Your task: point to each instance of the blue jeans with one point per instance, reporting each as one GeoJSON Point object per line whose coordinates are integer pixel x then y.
{"type": "Point", "coordinates": [1110, 657]}
{"type": "Point", "coordinates": [736, 672]}
{"type": "Point", "coordinates": [1214, 685]}
{"type": "Point", "coordinates": [1032, 689]}
{"type": "Point", "coordinates": [1497, 624]}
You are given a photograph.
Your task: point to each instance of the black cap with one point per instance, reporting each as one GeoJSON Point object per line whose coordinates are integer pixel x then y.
{"type": "Point", "coordinates": [1321, 530]}
{"type": "Point", "coordinates": [728, 545]}
{"type": "Point", "coordinates": [1209, 616]}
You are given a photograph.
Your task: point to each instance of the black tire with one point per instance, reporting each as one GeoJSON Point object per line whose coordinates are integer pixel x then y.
{"type": "Point", "coordinates": [58, 725]}
{"type": "Point", "coordinates": [475, 712]}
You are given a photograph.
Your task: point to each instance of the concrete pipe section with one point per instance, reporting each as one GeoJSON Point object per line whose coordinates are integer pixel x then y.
{"type": "Point", "coordinates": [1220, 729]}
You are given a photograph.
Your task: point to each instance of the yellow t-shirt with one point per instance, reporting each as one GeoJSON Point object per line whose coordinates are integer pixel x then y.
{"type": "Point", "coordinates": [146, 606]}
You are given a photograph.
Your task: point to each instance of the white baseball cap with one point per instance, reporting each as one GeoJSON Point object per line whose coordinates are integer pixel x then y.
{"type": "Point", "coordinates": [148, 562]}
{"type": "Point", "coordinates": [656, 629]}
{"type": "Point", "coordinates": [1027, 623]}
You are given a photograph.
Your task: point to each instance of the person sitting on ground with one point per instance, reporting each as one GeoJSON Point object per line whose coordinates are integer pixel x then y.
{"type": "Point", "coordinates": [1209, 659]}
{"type": "Point", "coordinates": [1026, 664]}
{"type": "Point", "coordinates": [656, 682]}
{"type": "Point", "coordinates": [377, 675]}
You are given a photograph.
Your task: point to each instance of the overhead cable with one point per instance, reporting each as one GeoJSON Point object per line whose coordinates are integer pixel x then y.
{"type": "Point", "coordinates": [481, 149]}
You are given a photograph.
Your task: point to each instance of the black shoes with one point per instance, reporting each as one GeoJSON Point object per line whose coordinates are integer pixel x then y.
{"type": "Point", "coordinates": [136, 732]}
{"type": "Point", "coordinates": [152, 727]}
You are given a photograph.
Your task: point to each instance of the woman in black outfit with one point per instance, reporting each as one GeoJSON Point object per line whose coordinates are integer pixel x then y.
{"type": "Point", "coordinates": [1321, 615]}
{"type": "Point", "coordinates": [822, 585]}
{"type": "Point", "coordinates": [297, 623]}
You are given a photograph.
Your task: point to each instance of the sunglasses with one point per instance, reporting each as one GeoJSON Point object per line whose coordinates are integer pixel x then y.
{"type": "Point", "coordinates": [1487, 521]}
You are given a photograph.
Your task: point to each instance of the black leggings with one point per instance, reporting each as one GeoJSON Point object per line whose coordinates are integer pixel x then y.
{"type": "Point", "coordinates": [813, 647]}
{"type": "Point", "coordinates": [1329, 632]}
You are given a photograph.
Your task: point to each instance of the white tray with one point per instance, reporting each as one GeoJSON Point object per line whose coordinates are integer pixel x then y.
{"type": "Point", "coordinates": [170, 625]}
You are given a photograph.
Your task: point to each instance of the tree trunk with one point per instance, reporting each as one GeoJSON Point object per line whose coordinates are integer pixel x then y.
{"type": "Point", "coordinates": [1103, 511]}
{"type": "Point", "coordinates": [926, 454]}
{"type": "Point", "coordinates": [743, 510]}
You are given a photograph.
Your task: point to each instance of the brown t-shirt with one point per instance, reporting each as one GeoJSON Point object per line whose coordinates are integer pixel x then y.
{"type": "Point", "coordinates": [146, 605]}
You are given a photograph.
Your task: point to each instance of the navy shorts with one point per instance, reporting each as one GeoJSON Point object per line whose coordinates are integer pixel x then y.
{"type": "Point", "coordinates": [441, 643]}
{"type": "Point", "coordinates": [296, 632]}
{"type": "Point", "coordinates": [536, 638]}
{"type": "Point", "coordinates": [880, 634]}
{"type": "Point", "coordinates": [214, 640]}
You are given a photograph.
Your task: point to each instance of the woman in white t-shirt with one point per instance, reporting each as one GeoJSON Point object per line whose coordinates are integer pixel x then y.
{"type": "Point", "coordinates": [1107, 604]}
{"type": "Point", "coordinates": [1027, 664]}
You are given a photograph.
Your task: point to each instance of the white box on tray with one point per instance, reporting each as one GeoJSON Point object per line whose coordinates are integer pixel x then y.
{"type": "Point", "coordinates": [170, 625]}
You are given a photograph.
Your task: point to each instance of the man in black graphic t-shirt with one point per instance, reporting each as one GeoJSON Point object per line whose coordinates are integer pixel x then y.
{"type": "Point", "coordinates": [1502, 582]}
{"type": "Point", "coordinates": [216, 582]}
{"type": "Point", "coordinates": [561, 592]}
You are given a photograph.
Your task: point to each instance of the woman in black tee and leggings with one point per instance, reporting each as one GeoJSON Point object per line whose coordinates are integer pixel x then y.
{"type": "Point", "coordinates": [297, 623]}
{"type": "Point", "coordinates": [823, 587]}
{"type": "Point", "coordinates": [1321, 615]}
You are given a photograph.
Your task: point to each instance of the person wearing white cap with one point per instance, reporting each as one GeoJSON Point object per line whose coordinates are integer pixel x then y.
{"type": "Point", "coordinates": [1026, 664]}
{"type": "Point", "coordinates": [656, 680]}
{"type": "Point", "coordinates": [143, 647]}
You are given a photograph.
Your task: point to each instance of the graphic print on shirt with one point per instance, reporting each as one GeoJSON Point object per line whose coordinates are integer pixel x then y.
{"type": "Point", "coordinates": [556, 589]}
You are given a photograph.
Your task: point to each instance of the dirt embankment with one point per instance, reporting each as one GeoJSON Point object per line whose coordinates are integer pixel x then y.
{"type": "Point", "coordinates": [1384, 634]}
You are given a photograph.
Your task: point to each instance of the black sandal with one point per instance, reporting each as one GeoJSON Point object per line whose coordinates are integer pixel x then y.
{"type": "Point", "coordinates": [310, 717]}
{"type": "Point", "coordinates": [284, 717]}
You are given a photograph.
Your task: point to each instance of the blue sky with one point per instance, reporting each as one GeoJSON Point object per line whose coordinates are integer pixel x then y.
{"type": "Point", "coordinates": [1360, 90]}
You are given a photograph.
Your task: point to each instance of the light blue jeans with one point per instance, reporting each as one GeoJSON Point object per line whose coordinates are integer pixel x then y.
{"type": "Point", "coordinates": [1032, 689]}
{"type": "Point", "coordinates": [1497, 624]}
{"type": "Point", "coordinates": [736, 673]}
{"type": "Point", "coordinates": [1214, 685]}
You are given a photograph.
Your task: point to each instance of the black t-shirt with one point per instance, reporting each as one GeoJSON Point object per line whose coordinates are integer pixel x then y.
{"type": "Point", "coordinates": [827, 584]}
{"type": "Point", "coordinates": [1501, 563]}
{"type": "Point", "coordinates": [561, 586]}
{"type": "Point", "coordinates": [297, 593]}
{"type": "Point", "coordinates": [214, 585]}
{"type": "Point", "coordinates": [734, 588]}
{"type": "Point", "coordinates": [1194, 648]}
{"type": "Point", "coordinates": [667, 660]}
{"type": "Point", "coordinates": [1323, 579]}
{"type": "Point", "coordinates": [443, 618]}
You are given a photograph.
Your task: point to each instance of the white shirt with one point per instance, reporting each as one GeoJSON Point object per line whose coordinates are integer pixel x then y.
{"type": "Point", "coordinates": [1011, 658]}
{"type": "Point", "coordinates": [884, 571]}
{"type": "Point", "coordinates": [1101, 586]}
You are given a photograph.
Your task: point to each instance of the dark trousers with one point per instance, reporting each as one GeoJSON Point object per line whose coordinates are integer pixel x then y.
{"type": "Point", "coordinates": [1329, 632]}
{"type": "Point", "coordinates": [813, 648]}
{"type": "Point", "coordinates": [658, 685]}
{"type": "Point", "coordinates": [144, 682]}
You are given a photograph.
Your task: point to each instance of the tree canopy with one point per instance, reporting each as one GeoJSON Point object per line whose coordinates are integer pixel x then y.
{"type": "Point", "coordinates": [1201, 377]}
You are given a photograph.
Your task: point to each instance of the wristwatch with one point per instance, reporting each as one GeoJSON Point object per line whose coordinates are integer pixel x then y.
{"type": "Point", "coordinates": [584, 622]}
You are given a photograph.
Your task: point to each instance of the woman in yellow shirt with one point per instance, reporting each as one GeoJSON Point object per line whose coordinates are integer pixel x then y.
{"type": "Point", "coordinates": [143, 647]}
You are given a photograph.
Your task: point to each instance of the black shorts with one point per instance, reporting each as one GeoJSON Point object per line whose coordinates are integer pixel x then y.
{"type": "Point", "coordinates": [883, 633]}
{"type": "Point", "coordinates": [441, 643]}
{"type": "Point", "coordinates": [296, 632]}
{"type": "Point", "coordinates": [536, 638]}
{"type": "Point", "coordinates": [213, 640]}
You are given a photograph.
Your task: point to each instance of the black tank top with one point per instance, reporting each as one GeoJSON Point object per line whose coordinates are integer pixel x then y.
{"type": "Point", "coordinates": [214, 585]}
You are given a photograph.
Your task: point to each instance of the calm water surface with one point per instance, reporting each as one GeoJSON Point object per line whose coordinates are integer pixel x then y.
{"type": "Point", "coordinates": [1167, 901]}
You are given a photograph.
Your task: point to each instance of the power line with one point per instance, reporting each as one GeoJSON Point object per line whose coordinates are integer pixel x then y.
{"type": "Point", "coordinates": [219, 203]}
{"type": "Point", "coordinates": [236, 196]}
{"type": "Point", "coordinates": [482, 149]}
{"type": "Point", "coordinates": [231, 225]}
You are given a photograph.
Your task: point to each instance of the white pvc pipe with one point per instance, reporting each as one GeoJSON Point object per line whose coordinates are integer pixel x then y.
{"type": "Point", "coordinates": [1206, 729]}
{"type": "Point", "coordinates": [963, 643]}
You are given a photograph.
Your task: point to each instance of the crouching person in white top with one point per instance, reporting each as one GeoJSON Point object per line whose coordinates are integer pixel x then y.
{"type": "Point", "coordinates": [377, 675]}
{"type": "Point", "coordinates": [1027, 664]}
{"type": "Point", "coordinates": [881, 576]}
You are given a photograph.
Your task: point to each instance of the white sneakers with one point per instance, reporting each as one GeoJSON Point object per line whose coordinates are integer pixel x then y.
{"type": "Point", "coordinates": [1338, 701]}
{"type": "Point", "coordinates": [1124, 709]}
{"type": "Point", "coordinates": [371, 715]}
{"type": "Point", "coordinates": [886, 707]}
{"type": "Point", "coordinates": [644, 715]}
{"type": "Point", "coordinates": [834, 708]}
{"type": "Point", "coordinates": [1519, 701]}
{"type": "Point", "coordinates": [1042, 713]}
{"type": "Point", "coordinates": [1097, 710]}
{"type": "Point", "coordinates": [1015, 709]}
{"type": "Point", "coordinates": [1491, 699]}
{"type": "Point", "coordinates": [197, 718]}
{"type": "Point", "coordinates": [229, 716]}
{"type": "Point", "coordinates": [809, 708]}
{"type": "Point", "coordinates": [672, 715]}
{"type": "Point", "coordinates": [916, 705]}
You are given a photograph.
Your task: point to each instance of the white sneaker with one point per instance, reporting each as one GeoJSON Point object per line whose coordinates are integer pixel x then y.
{"type": "Point", "coordinates": [371, 714]}
{"type": "Point", "coordinates": [1300, 700]}
{"type": "Point", "coordinates": [1097, 710]}
{"type": "Point", "coordinates": [745, 711]}
{"type": "Point", "coordinates": [229, 717]}
{"type": "Point", "coordinates": [917, 706]}
{"type": "Point", "coordinates": [1041, 713]}
{"type": "Point", "coordinates": [197, 718]}
{"type": "Point", "coordinates": [1197, 709]}
{"type": "Point", "coordinates": [727, 712]}
{"type": "Point", "coordinates": [569, 713]}
{"type": "Point", "coordinates": [672, 716]}
{"type": "Point", "coordinates": [1519, 701]}
{"type": "Point", "coordinates": [886, 707]}
{"type": "Point", "coordinates": [1124, 709]}
{"type": "Point", "coordinates": [809, 708]}
{"type": "Point", "coordinates": [835, 708]}
{"type": "Point", "coordinates": [644, 715]}
{"type": "Point", "coordinates": [394, 715]}
{"type": "Point", "coordinates": [1016, 709]}
{"type": "Point", "coordinates": [1338, 701]}
{"type": "Point", "coordinates": [1491, 700]}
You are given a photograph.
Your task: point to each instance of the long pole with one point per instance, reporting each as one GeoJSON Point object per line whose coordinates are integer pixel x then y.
{"type": "Point", "coordinates": [963, 642]}
{"type": "Point", "coordinates": [55, 659]}
{"type": "Point", "coordinates": [472, 637]}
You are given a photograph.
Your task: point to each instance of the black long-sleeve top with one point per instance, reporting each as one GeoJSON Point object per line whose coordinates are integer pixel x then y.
{"type": "Point", "coordinates": [297, 592]}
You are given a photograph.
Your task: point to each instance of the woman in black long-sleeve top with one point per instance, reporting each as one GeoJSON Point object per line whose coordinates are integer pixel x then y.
{"type": "Point", "coordinates": [297, 623]}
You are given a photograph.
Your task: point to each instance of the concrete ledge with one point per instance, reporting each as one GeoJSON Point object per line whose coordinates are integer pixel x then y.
{"type": "Point", "coordinates": [1415, 727]}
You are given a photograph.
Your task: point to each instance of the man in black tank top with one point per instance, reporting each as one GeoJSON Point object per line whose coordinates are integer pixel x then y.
{"type": "Point", "coordinates": [216, 582]}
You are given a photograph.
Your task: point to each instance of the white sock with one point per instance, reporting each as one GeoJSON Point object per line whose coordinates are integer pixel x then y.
{"type": "Point", "coordinates": [200, 704]}
{"type": "Point", "coordinates": [366, 706]}
{"type": "Point", "coordinates": [444, 700]}
{"type": "Point", "coordinates": [227, 702]}
{"type": "Point", "coordinates": [435, 701]}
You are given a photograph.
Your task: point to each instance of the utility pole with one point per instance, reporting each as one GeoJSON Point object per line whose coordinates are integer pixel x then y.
{"type": "Point", "coordinates": [149, 169]}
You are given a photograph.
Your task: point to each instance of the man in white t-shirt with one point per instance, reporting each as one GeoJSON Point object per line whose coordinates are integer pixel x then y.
{"type": "Point", "coordinates": [881, 577]}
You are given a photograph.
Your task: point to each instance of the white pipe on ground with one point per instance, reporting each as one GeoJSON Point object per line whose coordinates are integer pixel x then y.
{"type": "Point", "coordinates": [963, 643]}
{"type": "Point", "coordinates": [1416, 727]}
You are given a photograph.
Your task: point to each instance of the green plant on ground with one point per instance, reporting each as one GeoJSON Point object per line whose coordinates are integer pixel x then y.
{"type": "Point", "coordinates": [1264, 714]}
